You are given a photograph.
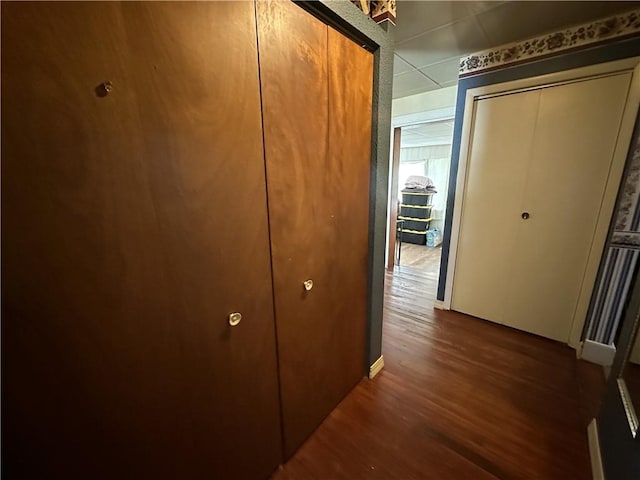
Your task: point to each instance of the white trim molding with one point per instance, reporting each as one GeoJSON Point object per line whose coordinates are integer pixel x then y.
{"type": "Point", "coordinates": [598, 353]}
{"type": "Point", "coordinates": [439, 305]}
{"type": "Point", "coordinates": [376, 367]}
{"type": "Point", "coordinates": [597, 472]}
{"type": "Point", "coordinates": [586, 35]}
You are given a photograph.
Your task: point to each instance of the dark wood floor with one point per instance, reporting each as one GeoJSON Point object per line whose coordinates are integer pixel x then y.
{"type": "Point", "coordinates": [459, 398]}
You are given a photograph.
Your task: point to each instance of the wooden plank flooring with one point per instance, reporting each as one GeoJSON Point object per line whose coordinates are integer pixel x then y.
{"type": "Point", "coordinates": [459, 398]}
{"type": "Point", "coordinates": [420, 257]}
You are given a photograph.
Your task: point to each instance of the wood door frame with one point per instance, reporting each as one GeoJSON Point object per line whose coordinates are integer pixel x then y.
{"type": "Point", "coordinates": [613, 182]}
{"type": "Point", "coordinates": [393, 198]}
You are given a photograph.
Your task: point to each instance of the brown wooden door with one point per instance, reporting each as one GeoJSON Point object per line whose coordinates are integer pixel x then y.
{"type": "Point", "coordinates": [133, 222]}
{"type": "Point", "coordinates": [316, 91]}
{"type": "Point", "coordinates": [393, 251]}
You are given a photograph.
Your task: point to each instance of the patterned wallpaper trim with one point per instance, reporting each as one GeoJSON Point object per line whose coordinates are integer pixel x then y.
{"type": "Point", "coordinates": [578, 37]}
{"type": "Point", "coordinates": [626, 239]}
{"type": "Point", "coordinates": [628, 213]}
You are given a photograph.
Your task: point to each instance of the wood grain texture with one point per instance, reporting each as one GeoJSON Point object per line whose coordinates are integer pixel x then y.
{"type": "Point", "coordinates": [317, 128]}
{"type": "Point", "coordinates": [126, 221]}
{"type": "Point", "coordinates": [458, 398]}
{"type": "Point", "coordinates": [420, 257]}
{"type": "Point", "coordinates": [393, 198]}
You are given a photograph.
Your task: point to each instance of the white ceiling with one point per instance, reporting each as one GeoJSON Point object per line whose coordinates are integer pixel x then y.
{"type": "Point", "coordinates": [431, 36]}
{"type": "Point", "coordinates": [427, 134]}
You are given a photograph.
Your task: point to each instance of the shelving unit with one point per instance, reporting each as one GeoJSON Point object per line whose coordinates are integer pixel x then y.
{"type": "Point", "coordinates": [415, 210]}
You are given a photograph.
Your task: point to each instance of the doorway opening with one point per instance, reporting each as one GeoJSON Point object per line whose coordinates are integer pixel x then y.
{"type": "Point", "coordinates": [420, 179]}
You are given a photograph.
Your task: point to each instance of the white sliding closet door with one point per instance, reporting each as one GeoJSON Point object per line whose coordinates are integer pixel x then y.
{"type": "Point", "coordinates": [502, 141]}
{"type": "Point", "coordinates": [575, 138]}
{"type": "Point", "coordinates": [556, 163]}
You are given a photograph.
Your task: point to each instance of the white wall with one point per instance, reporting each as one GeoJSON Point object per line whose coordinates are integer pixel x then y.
{"type": "Point", "coordinates": [442, 98]}
{"type": "Point", "coordinates": [427, 107]}
{"type": "Point", "coordinates": [414, 109]}
{"type": "Point", "coordinates": [434, 163]}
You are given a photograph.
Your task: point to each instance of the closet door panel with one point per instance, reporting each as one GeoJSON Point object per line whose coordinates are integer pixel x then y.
{"type": "Point", "coordinates": [293, 72]}
{"type": "Point", "coordinates": [347, 194]}
{"type": "Point", "coordinates": [575, 137]}
{"type": "Point", "coordinates": [502, 136]}
{"type": "Point", "coordinates": [134, 221]}
{"type": "Point", "coordinates": [317, 172]}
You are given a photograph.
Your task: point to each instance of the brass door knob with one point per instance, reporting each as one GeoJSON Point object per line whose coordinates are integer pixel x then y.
{"type": "Point", "coordinates": [234, 318]}
{"type": "Point", "coordinates": [308, 284]}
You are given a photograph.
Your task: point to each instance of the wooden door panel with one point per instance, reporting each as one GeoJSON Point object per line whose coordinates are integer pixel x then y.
{"type": "Point", "coordinates": [502, 135]}
{"type": "Point", "coordinates": [393, 246]}
{"type": "Point", "coordinates": [293, 70]}
{"type": "Point", "coordinates": [318, 179]}
{"type": "Point", "coordinates": [573, 147]}
{"type": "Point", "coordinates": [347, 191]}
{"type": "Point", "coordinates": [133, 224]}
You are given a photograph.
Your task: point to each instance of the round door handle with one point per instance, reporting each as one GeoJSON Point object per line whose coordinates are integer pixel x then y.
{"type": "Point", "coordinates": [234, 318]}
{"type": "Point", "coordinates": [525, 215]}
{"type": "Point", "coordinates": [308, 284]}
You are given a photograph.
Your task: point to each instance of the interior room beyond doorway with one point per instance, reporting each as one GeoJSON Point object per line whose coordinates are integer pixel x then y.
{"type": "Point", "coordinates": [421, 181]}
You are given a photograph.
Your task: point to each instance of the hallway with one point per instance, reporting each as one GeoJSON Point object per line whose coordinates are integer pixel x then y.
{"type": "Point", "coordinates": [458, 398]}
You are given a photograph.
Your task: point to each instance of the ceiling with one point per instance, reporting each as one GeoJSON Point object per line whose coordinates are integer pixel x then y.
{"type": "Point", "coordinates": [431, 36]}
{"type": "Point", "coordinates": [427, 134]}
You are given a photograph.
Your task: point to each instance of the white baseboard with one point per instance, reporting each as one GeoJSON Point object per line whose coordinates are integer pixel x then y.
{"type": "Point", "coordinates": [439, 304]}
{"type": "Point", "coordinates": [597, 472]}
{"type": "Point", "coordinates": [598, 353]}
{"type": "Point", "coordinates": [376, 367]}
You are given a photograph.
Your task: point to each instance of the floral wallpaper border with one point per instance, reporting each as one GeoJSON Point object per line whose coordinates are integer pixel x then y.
{"type": "Point", "coordinates": [628, 212]}
{"type": "Point", "coordinates": [579, 36]}
{"type": "Point", "coordinates": [626, 240]}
